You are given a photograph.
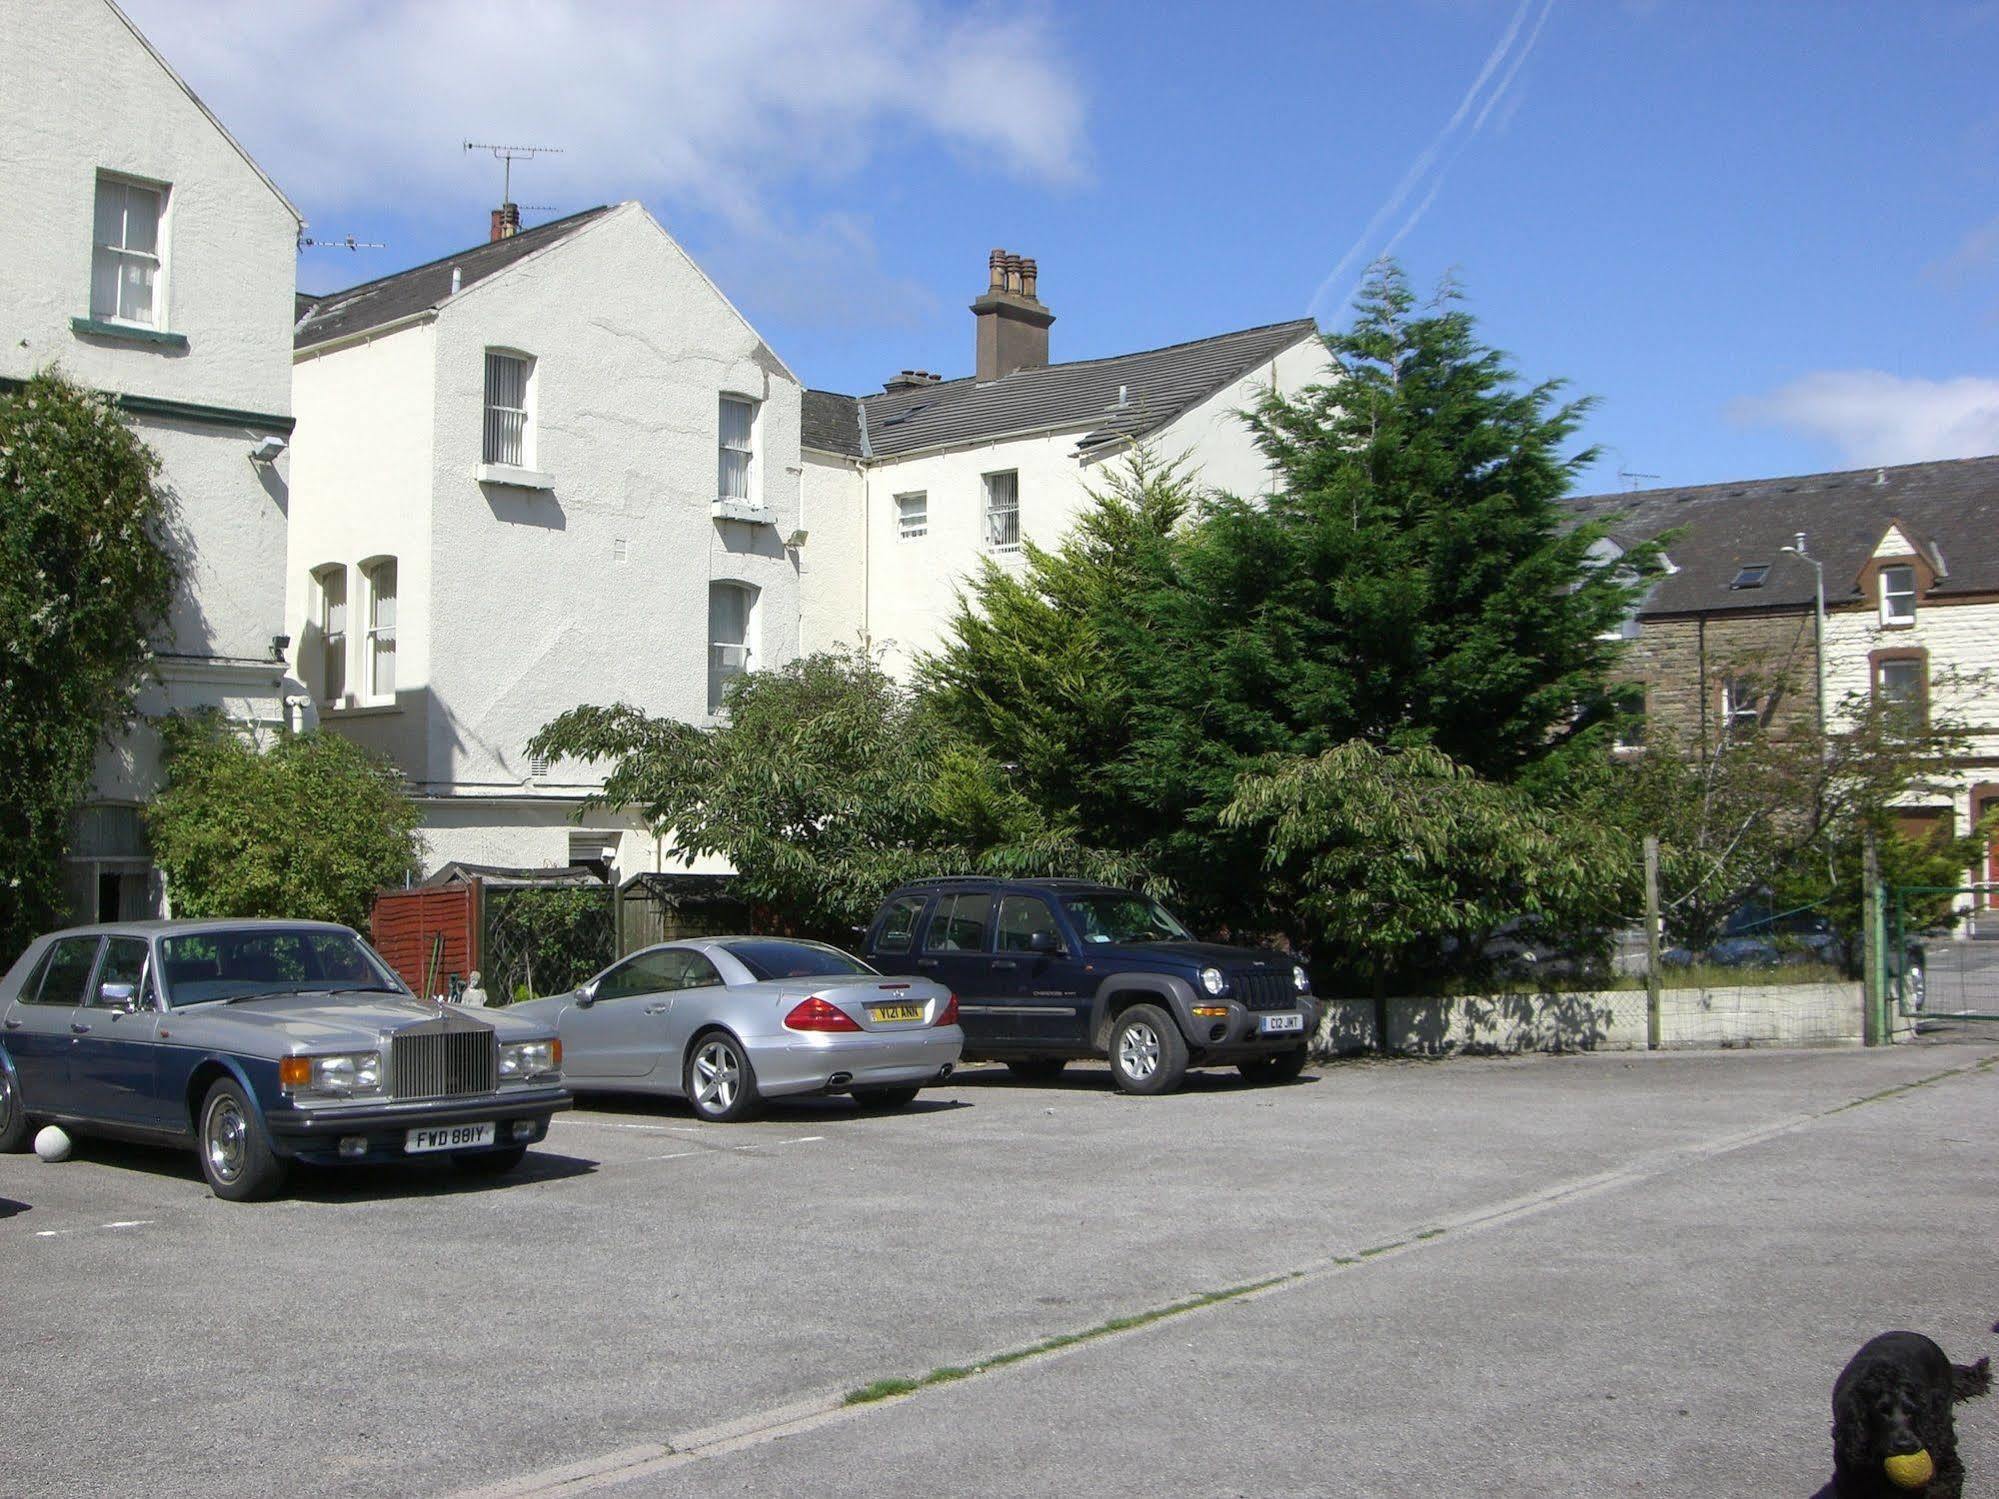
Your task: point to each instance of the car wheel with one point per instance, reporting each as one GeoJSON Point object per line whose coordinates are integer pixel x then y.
{"type": "Point", "coordinates": [885, 1098]}
{"type": "Point", "coordinates": [1038, 1069]}
{"type": "Point", "coordinates": [1282, 1068]}
{"type": "Point", "coordinates": [236, 1154]}
{"type": "Point", "coordinates": [721, 1085]}
{"type": "Point", "coordinates": [14, 1129]}
{"type": "Point", "coordinates": [490, 1162]}
{"type": "Point", "coordinates": [1148, 1054]}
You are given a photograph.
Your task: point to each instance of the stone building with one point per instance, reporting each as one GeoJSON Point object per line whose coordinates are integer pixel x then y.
{"type": "Point", "coordinates": [1732, 631]}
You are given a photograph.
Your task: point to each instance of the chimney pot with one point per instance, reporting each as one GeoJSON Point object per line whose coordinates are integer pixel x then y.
{"type": "Point", "coordinates": [1012, 324]}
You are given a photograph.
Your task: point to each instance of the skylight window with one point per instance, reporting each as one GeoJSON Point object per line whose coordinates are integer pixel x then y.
{"type": "Point", "coordinates": [1752, 576]}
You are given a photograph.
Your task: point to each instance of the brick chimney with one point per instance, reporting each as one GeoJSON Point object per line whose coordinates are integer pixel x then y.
{"type": "Point", "coordinates": [506, 222]}
{"type": "Point", "coordinates": [1012, 323]}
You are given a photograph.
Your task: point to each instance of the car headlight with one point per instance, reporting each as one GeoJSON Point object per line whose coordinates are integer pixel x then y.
{"type": "Point", "coordinates": [341, 1072]}
{"type": "Point", "coordinates": [523, 1059]}
{"type": "Point", "coordinates": [1301, 979]}
{"type": "Point", "coordinates": [1212, 980]}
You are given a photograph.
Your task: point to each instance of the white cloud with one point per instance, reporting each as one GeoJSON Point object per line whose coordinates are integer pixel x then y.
{"type": "Point", "coordinates": [1870, 416]}
{"type": "Point", "coordinates": [359, 105]}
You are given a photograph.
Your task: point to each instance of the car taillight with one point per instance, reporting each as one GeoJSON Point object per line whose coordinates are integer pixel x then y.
{"type": "Point", "coordinates": [815, 1014]}
{"type": "Point", "coordinates": [949, 1014]}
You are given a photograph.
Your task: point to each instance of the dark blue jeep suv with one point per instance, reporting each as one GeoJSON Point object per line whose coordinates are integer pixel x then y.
{"type": "Point", "coordinates": [1049, 970]}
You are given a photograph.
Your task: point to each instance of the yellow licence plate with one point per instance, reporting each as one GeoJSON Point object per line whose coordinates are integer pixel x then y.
{"type": "Point", "coordinates": [895, 1012]}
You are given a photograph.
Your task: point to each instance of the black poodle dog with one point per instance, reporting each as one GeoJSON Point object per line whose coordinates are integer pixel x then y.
{"type": "Point", "coordinates": [1892, 1432]}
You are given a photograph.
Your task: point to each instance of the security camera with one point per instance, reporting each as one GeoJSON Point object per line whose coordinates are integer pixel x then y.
{"type": "Point", "coordinates": [797, 538]}
{"type": "Point", "coordinates": [268, 450]}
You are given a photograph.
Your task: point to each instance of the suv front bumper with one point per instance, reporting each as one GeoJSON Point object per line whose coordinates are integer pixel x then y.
{"type": "Point", "coordinates": [1240, 1033]}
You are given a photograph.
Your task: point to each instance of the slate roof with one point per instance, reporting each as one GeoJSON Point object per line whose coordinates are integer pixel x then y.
{"type": "Point", "coordinates": [339, 314]}
{"type": "Point", "coordinates": [830, 423]}
{"type": "Point", "coordinates": [1158, 384]}
{"type": "Point", "coordinates": [1948, 509]}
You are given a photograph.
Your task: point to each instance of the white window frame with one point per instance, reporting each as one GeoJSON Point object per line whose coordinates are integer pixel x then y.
{"type": "Point", "coordinates": [503, 422]}
{"type": "Point", "coordinates": [997, 538]}
{"type": "Point", "coordinates": [121, 254]}
{"type": "Point", "coordinates": [912, 515]}
{"type": "Point", "coordinates": [746, 450]}
{"type": "Point", "coordinates": [1890, 597]}
{"type": "Point", "coordinates": [332, 655]}
{"type": "Point", "coordinates": [379, 634]}
{"type": "Point", "coordinates": [1919, 674]}
{"type": "Point", "coordinates": [729, 659]}
{"type": "Point", "coordinates": [1741, 705]}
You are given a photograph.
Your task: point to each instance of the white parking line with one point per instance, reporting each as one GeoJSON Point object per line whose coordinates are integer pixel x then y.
{"type": "Point", "coordinates": [59, 1233]}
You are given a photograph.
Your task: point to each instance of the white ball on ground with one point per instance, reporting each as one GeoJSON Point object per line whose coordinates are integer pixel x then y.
{"type": "Point", "coordinates": [52, 1144]}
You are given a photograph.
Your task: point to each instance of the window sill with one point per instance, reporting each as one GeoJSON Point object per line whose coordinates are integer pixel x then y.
{"type": "Point", "coordinates": [747, 511]}
{"type": "Point", "coordinates": [515, 478]}
{"type": "Point", "coordinates": [1898, 624]}
{"type": "Point", "coordinates": [90, 327]}
{"type": "Point", "coordinates": [359, 710]}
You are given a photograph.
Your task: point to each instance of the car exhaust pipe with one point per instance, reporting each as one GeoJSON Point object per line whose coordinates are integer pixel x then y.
{"type": "Point", "coordinates": [839, 1080]}
{"type": "Point", "coordinates": [944, 1072]}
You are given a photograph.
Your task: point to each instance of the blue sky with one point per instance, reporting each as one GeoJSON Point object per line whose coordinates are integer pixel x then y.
{"type": "Point", "coordinates": [1764, 236]}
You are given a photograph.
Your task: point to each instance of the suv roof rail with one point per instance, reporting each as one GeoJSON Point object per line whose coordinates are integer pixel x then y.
{"type": "Point", "coordinates": [1061, 882]}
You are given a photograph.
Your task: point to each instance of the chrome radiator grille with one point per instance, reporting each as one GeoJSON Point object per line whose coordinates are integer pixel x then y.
{"type": "Point", "coordinates": [1265, 991]}
{"type": "Point", "coordinates": [444, 1064]}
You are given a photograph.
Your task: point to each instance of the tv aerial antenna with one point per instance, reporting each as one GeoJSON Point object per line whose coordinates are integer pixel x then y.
{"type": "Point", "coordinates": [509, 155]}
{"type": "Point", "coordinates": [344, 242]}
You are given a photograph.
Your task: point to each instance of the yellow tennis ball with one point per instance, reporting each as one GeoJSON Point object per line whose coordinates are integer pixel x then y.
{"type": "Point", "coordinates": [1910, 1470]}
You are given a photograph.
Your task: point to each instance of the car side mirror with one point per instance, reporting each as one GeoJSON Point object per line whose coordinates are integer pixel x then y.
{"type": "Point", "coordinates": [1043, 942]}
{"type": "Point", "coordinates": [586, 995]}
{"type": "Point", "coordinates": [116, 996]}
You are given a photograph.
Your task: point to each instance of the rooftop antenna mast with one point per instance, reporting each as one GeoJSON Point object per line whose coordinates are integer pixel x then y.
{"type": "Point", "coordinates": [344, 242]}
{"type": "Point", "coordinates": [509, 155]}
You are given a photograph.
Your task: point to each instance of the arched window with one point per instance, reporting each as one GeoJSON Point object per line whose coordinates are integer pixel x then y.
{"type": "Point", "coordinates": [380, 576]}
{"type": "Point", "coordinates": [330, 609]}
{"type": "Point", "coordinates": [732, 609]}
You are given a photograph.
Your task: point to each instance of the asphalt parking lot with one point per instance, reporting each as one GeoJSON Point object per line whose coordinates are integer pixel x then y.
{"type": "Point", "coordinates": [1579, 1275]}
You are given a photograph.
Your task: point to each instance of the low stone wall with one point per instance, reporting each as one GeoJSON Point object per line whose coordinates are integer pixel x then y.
{"type": "Point", "coordinates": [1817, 1014]}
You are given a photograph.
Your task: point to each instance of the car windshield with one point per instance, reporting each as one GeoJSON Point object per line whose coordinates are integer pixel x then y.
{"type": "Point", "coordinates": [775, 958]}
{"type": "Point", "coordinates": [255, 962]}
{"type": "Point", "coordinates": [1121, 916]}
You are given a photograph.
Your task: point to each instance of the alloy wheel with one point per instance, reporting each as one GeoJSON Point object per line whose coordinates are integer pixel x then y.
{"type": "Point", "coordinates": [1138, 1051]}
{"type": "Point", "coordinates": [718, 1075]}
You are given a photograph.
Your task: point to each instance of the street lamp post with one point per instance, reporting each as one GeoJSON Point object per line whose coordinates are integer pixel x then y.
{"type": "Point", "coordinates": [1818, 622]}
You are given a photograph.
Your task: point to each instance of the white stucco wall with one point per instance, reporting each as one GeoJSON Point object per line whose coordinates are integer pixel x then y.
{"type": "Point", "coordinates": [833, 564]}
{"type": "Point", "coordinates": [361, 464]}
{"type": "Point", "coordinates": [534, 613]}
{"type": "Point", "coordinates": [516, 604]}
{"type": "Point", "coordinates": [912, 587]}
{"type": "Point", "coordinates": [79, 93]}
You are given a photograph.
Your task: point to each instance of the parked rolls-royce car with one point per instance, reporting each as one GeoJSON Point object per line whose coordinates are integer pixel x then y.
{"type": "Point", "coordinates": [726, 1022]}
{"type": "Point", "coordinates": [259, 1043]}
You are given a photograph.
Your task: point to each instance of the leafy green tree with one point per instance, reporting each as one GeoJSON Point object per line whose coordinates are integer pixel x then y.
{"type": "Point", "coordinates": [826, 784]}
{"type": "Point", "coordinates": [310, 828]}
{"type": "Point", "coordinates": [1411, 581]}
{"type": "Point", "coordinates": [1396, 864]}
{"type": "Point", "coordinates": [1755, 814]}
{"type": "Point", "coordinates": [86, 579]}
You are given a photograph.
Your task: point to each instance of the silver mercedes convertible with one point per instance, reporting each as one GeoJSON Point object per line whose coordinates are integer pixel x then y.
{"type": "Point", "coordinates": [726, 1022]}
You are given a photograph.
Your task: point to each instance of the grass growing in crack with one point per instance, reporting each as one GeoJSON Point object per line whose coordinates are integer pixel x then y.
{"type": "Point", "coordinates": [1911, 1086]}
{"type": "Point", "coordinates": [1429, 1233]}
{"type": "Point", "coordinates": [890, 1389]}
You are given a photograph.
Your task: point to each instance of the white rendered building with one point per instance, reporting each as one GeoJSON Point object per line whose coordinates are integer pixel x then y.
{"type": "Point", "coordinates": [145, 254]}
{"type": "Point", "coordinates": [556, 469]}
{"type": "Point", "coordinates": [906, 491]}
